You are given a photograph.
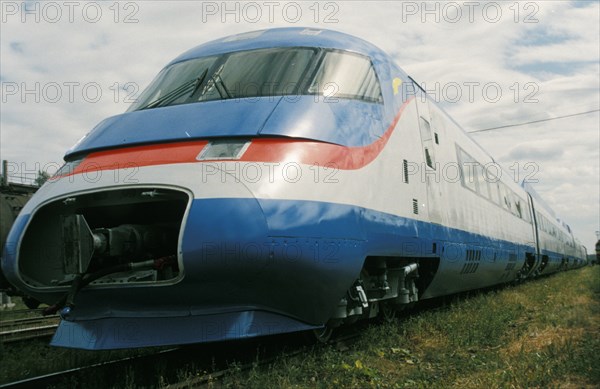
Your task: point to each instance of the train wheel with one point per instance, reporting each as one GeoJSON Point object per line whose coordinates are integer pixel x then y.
{"type": "Point", "coordinates": [322, 335]}
{"type": "Point", "coordinates": [30, 302]}
{"type": "Point", "coordinates": [387, 313]}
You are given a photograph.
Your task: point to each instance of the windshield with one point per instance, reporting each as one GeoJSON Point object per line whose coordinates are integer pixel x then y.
{"type": "Point", "coordinates": [260, 73]}
{"type": "Point", "coordinates": [346, 75]}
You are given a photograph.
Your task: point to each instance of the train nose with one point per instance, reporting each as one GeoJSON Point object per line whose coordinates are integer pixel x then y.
{"type": "Point", "coordinates": [139, 236]}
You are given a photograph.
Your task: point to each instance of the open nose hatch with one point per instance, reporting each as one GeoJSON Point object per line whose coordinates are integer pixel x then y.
{"type": "Point", "coordinates": [116, 237]}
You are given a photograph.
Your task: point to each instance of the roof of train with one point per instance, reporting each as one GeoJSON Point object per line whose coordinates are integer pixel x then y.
{"type": "Point", "coordinates": [283, 37]}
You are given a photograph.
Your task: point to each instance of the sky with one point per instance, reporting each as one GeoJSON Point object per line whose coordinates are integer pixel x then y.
{"type": "Point", "coordinates": [66, 65]}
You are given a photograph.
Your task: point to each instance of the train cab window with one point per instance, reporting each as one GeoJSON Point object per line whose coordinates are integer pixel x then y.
{"type": "Point", "coordinates": [252, 73]}
{"type": "Point", "coordinates": [173, 84]}
{"type": "Point", "coordinates": [263, 73]}
{"type": "Point", "coordinates": [256, 73]}
{"type": "Point", "coordinates": [346, 75]}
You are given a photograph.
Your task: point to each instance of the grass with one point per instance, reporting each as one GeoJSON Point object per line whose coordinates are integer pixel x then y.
{"type": "Point", "coordinates": [544, 333]}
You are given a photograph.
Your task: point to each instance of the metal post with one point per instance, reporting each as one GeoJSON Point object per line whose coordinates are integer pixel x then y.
{"type": "Point", "coordinates": [4, 173]}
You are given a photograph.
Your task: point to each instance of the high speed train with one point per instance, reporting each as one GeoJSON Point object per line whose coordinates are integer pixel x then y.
{"type": "Point", "coordinates": [268, 182]}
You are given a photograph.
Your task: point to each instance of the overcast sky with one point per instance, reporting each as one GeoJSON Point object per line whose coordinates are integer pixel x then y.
{"type": "Point", "coordinates": [67, 65]}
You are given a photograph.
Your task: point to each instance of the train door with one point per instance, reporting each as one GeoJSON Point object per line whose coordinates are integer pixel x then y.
{"type": "Point", "coordinates": [533, 260]}
{"type": "Point", "coordinates": [430, 173]}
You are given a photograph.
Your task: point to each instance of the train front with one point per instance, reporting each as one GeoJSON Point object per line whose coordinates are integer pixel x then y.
{"type": "Point", "coordinates": [208, 211]}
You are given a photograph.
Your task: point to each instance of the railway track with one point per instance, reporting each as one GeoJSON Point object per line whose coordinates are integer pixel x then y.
{"type": "Point", "coordinates": [54, 378]}
{"type": "Point", "coordinates": [217, 361]}
{"type": "Point", "coordinates": [27, 328]}
{"type": "Point", "coordinates": [22, 312]}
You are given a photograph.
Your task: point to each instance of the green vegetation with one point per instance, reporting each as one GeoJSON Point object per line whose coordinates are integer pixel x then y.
{"type": "Point", "coordinates": [41, 178]}
{"type": "Point", "coordinates": [33, 358]}
{"type": "Point", "coordinates": [544, 333]}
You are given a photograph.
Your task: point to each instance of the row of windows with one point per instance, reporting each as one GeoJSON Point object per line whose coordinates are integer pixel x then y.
{"type": "Point", "coordinates": [545, 225]}
{"type": "Point", "coordinates": [478, 179]}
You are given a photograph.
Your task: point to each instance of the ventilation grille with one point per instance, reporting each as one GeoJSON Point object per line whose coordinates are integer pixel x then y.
{"type": "Point", "coordinates": [474, 255]}
{"type": "Point", "coordinates": [472, 263]}
{"type": "Point", "coordinates": [415, 206]}
{"type": "Point", "coordinates": [405, 169]}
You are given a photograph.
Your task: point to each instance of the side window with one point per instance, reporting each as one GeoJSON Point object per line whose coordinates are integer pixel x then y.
{"type": "Point", "coordinates": [525, 210]}
{"type": "Point", "coordinates": [467, 168]}
{"type": "Point", "coordinates": [426, 139]}
{"type": "Point", "coordinates": [482, 182]}
{"type": "Point", "coordinates": [518, 209]}
{"type": "Point", "coordinates": [505, 197]}
{"type": "Point", "coordinates": [493, 186]}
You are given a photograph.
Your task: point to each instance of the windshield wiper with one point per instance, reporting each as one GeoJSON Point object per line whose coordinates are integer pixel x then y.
{"type": "Point", "coordinates": [178, 92]}
{"type": "Point", "coordinates": [217, 82]}
{"type": "Point", "coordinates": [220, 86]}
{"type": "Point", "coordinates": [199, 82]}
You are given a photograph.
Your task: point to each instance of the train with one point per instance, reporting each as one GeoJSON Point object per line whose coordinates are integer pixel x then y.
{"type": "Point", "coordinates": [274, 181]}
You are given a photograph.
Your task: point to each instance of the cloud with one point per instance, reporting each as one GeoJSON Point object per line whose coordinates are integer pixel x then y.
{"type": "Point", "coordinates": [542, 55]}
{"type": "Point", "coordinates": [542, 151]}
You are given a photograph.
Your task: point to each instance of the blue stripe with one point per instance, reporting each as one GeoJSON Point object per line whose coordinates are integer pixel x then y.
{"type": "Point", "coordinates": [250, 263]}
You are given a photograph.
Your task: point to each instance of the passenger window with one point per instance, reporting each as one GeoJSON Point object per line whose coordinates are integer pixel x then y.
{"type": "Point", "coordinates": [467, 168]}
{"type": "Point", "coordinates": [518, 210]}
{"type": "Point", "coordinates": [482, 182]}
{"type": "Point", "coordinates": [427, 142]}
{"type": "Point", "coordinates": [505, 196]}
{"type": "Point", "coordinates": [525, 210]}
{"type": "Point", "coordinates": [493, 186]}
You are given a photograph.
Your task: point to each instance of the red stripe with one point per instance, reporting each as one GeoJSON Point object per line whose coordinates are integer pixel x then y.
{"type": "Point", "coordinates": [318, 153]}
{"type": "Point", "coordinates": [148, 155]}
{"type": "Point", "coordinates": [270, 150]}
